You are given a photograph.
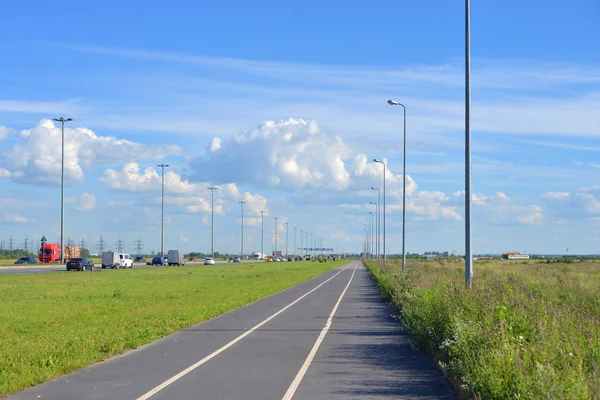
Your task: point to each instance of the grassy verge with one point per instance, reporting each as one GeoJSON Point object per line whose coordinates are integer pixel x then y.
{"type": "Point", "coordinates": [527, 330]}
{"type": "Point", "coordinates": [53, 324]}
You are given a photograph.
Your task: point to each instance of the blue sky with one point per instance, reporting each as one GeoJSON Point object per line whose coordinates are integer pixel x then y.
{"type": "Point", "coordinates": [284, 106]}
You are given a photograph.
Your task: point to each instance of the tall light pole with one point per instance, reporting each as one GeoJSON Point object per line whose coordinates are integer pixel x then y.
{"type": "Point", "coordinates": [242, 202]}
{"type": "Point", "coordinates": [384, 168]}
{"type": "Point", "coordinates": [306, 248]}
{"type": "Point", "coordinates": [371, 233]}
{"type": "Point", "coordinates": [162, 210]}
{"type": "Point", "coordinates": [301, 236]}
{"type": "Point", "coordinates": [276, 219]}
{"type": "Point", "coordinates": [262, 233]}
{"type": "Point", "coordinates": [468, 250]}
{"type": "Point", "coordinates": [212, 220]}
{"type": "Point", "coordinates": [377, 217]}
{"type": "Point", "coordinates": [295, 249]}
{"type": "Point", "coordinates": [395, 103]}
{"type": "Point", "coordinates": [286, 239]}
{"type": "Point", "coordinates": [62, 121]}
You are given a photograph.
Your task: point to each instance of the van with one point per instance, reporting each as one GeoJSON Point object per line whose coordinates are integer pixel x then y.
{"type": "Point", "coordinates": [112, 259]}
{"type": "Point", "coordinates": [174, 258]}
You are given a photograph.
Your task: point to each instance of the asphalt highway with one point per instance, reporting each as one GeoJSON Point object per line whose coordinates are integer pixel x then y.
{"type": "Point", "coordinates": [47, 268]}
{"type": "Point", "coordinates": [332, 337]}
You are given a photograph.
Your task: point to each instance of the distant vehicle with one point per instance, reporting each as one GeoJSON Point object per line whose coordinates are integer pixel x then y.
{"type": "Point", "coordinates": [259, 255]}
{"type": "Point", "coordinates": [277, 259]}
{"type": "Point", "coordinates": [80, 264]}
{"type": "Point", "coordinates": [191, 259]}
{"type": "Point", "coordinates": [209, 261]}
{"type": "Point", "coordinates": [140, 259]}
{"type": "Point", "coordinates": [174, 258]}
{"type": "Point", "coordinates": [112, 259]}
{"type": "Point", "coordinates": [49, 253]}
{"type": "Point", "coordinates": [307, 258]}
{"type": "Point", "coordinates": [158, 260]}
{"type": "Point", "coordinates": [268, 259]}
{"type": "Point", "coordinates": [290, 258]}
{"type": "Point", "coordinates": [236, 260]}
{"type": "Point", "coordinates": [26, 260]}
{"type": "Point", "coordinates": [72, 252]}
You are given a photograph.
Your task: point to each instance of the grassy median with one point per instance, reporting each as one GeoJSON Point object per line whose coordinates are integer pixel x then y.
{"type": "Point", "coordinates": [527, 330]}
{"type": "Point", "coordinates": [52, 324]}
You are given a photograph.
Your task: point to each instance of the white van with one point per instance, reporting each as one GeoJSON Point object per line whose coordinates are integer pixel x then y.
{"type": "Point", "coordinates": [174, 258]}
{"type": "Point", "coordinates": [112, 259]}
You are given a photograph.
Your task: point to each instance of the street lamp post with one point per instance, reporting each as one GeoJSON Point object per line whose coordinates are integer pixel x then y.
{"type": "Point", "coordinates": [162, 210]}
{"type": "Point", "coordinates": [384, 168]}
{"type": "Point", "coordinates": [468, 249]}
{"type": "Point", "coordinates": [295, 249]}
{"type": "Point", "coordinates": [276, 219]}
{"type": "Point", "coordinates": [262, 233]}
{"type": "Point", "coordinates": [62, 121]}
{"type": "Point", "coordinates": [371, 234]}
{"type": "Point", "coordinates": [376, 229]}
{"type": "Point", "coordinates": [242, 202]}
{"type": "Point", "coordinates": [306, 248]}
{"type": "Point", "coordinates": [395, 103]}
{"type": "Point", "coordinates": [378, 221]}
{"type": "Point", "coordinates": [301, 236]}
{"type": "Point", "coordinates": [286, 239]}
{"type": "Point", "coordinates": [212, 220]}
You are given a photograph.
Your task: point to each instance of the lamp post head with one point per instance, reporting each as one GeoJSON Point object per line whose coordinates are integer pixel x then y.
{"type": "Point", "coordinates": [393, 103]}
{"type": "Point", "coordinates": [377, 161]}
{"type": "Point", "coordinates": [212, 188]}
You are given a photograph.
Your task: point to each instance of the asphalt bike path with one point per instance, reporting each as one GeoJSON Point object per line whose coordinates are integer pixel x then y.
{"type": "Point", "coordinates": [330, 337]}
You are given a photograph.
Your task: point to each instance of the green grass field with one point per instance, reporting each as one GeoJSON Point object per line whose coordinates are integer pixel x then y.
{"type": "Point", "coordinates": [53, 324]}
{"type": "Point", "coordinates": [527, 330]}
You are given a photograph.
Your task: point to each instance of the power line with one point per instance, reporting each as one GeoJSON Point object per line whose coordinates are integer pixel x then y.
{"type": "Point", "coordinates": [10, 243]}
{"type": "Point", "coordinates": [139, 245]}
{"type": "Point", "coordinates": [120, 245]}
{"type": "Point", "coordinates": [100, 245]}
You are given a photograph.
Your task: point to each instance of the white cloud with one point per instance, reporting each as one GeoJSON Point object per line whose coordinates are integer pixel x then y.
{"type": "Point", "coordinates": [500, 209]}
{"type": "Point", "coordinates": [36, 157]}
{"type": "Point", "coordinates": [17, 218]}
{"type": "Point", "coordinates": [5, 132]}
{"type": "Point", "coordinates": [87, 202]}
{"type": "Point", "coordinates": [578, 204]}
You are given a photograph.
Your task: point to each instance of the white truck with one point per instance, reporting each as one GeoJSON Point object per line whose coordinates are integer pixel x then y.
{"type": "Point", "coordinates": [112, 259]}
{"type": "Point", "coordinates": [259, 255]}
{"type": "Point", "coordinates": [175, 258]}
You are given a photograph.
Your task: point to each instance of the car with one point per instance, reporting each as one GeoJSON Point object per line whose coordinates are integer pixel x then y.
{"type": "Point", "coordinates": [237, 260]}
{"type": "Point", "coordinates": [290, 258]}
{"type": "Point", "coordinates": [268, 259]}
{"type": "Point", "coordinates": [26, 260]}
{"type": "Point", "coordinates": [80, 264]}
{"type": "Point", "coordinates": [209, 261]}
{"type": "Point", "coordinates": [277, 259]}
{"type": "Point", "coordinates": [158, 260]}
{"type": "Point", "coordinates": [191, 259]}
{"type": "Point", "coordinates": [140, 259]}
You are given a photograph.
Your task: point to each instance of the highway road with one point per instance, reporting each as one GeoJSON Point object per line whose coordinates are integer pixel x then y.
{"type": "Point", "coordinates": [332, 337]}
{"type": "Point", "coordinates": [46, 268]}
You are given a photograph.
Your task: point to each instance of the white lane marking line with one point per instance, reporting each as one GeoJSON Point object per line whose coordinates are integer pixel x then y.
{"type": "Point", "coordinates": [296, 382]}
{"type": "Point", "coordinates": [228, 345]}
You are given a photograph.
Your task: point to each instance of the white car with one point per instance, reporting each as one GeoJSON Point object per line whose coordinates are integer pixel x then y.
{"type": "Point", "coordinates": [209, 261]}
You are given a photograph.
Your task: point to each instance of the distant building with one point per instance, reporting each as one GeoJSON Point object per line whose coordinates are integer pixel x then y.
{"type": "Point", "coordinates": [513, 255]}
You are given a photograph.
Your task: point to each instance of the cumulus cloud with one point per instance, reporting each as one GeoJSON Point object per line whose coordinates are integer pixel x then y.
{"type": "Point", "coordinates": [500, 209]}
{"type": "Point", "coordinates": [87, 202]}
{"type": "Point", "coordinates": [5, 132]}
{"type": "Point", "coordinates": [36, 156]}
{"type": "Point", "coordinates": [577, 204]}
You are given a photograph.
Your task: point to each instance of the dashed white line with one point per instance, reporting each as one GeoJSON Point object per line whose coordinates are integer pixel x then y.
{"type": "Point", "coordinates": [296, 382]}
{"type": "Point", "coordinates": [228, 345]}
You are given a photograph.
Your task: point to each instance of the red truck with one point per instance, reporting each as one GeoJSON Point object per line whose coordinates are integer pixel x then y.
{"type": "Point", "coordinates": [49, 253]}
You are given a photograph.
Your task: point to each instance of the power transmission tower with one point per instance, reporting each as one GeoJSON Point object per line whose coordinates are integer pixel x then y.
{"type": "Point", "coordinates": [138, 246]}
{"type": "Point", "coordinates": [69, 242]}
{"type": "Point", "coordinates": [26, 245]}
{"type": "Point", "coordinates": [100, 245]}
{"type": "Point", "coordinates": [120, 245]}
{"type": "Point", "coordinates": [83, 243]}
{"type": "Point", "coordinates": [10, 243]}
{"type": "Point", "coordinates": [2, 245]}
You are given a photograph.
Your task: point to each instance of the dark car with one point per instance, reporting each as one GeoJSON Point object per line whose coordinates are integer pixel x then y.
{"type": "Point", "coordinates": [290, 258]}
{"type": "Point", "coordinates": [159, 261]}
{"type": "Point", "coordinates": [236, 260]}
{"type": "Point", "coordinates": [140, 259]}
{"type": "Point", "coordinates": [26, 260]}
{"type": "Point", "coordinates": [80, 264]}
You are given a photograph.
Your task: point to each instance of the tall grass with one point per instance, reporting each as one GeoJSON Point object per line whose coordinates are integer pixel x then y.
{"type": "Point", "coordinates": [525, 330]}
{"type": "Point", "coordinates": [52, 324]}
